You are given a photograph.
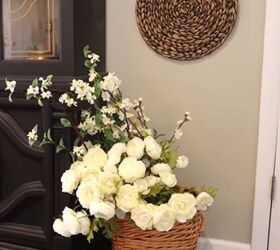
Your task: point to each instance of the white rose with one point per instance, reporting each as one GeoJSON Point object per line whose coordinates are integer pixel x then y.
{"type": "Point", "coordinates": [60, 228]}
{"type": "Point", "coordinates": [204, 200]}
{"type": "Point", "coordinates": [182, 161]}
{"type": "Point", "coordinates": [130, 169]}
{"type": "Point", "coordinates": [118, 148]}
{"type": "Point", "coordinates": [141, 185]}
{"type": "Point", "coordinates": [135, 148]}
{"type": "Point", "coordinates": [78, 166]}
{"type": "Point", "coordinates": [142, 215]}
{"type": "Point", "coordinates": [95, 158]}
{"type": "Point", "coordinates": [152, 180]}
{"type": "Point", "coordinates": [168, 179]}
{"type": "Point", "coordinates": [108, 182]}
{"type": "Point", "coordinates": [160, 168]}
{"type": "Point", "coordinates": [88, 192]}
{"type": "Point", "coordinates": [71, 221]}
{"type": "Point", "coordinates": [110, 168]}
{"type": "Point", "coordinates": [84, 222]}
{"type": "Point", "coordinates": [104, 210]}
{"type": "Point", "coordinates": [70, 181]}
{"type": "Point", "coordinates": [164, 218]}
{"type": "Point", "coordinates": [115, 153]}
{"type": "Point", "coordinates": [127, 198]}
{"type": "Point", "coordinates": [183, 206]}
{"type": "Point", "coordinates": [153, 149]}
{"type": "Point", "coordinates": [90, 171]}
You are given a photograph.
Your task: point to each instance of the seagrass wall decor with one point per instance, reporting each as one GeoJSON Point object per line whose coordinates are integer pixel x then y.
{"type": "Point", "coordinates": [185, 29]}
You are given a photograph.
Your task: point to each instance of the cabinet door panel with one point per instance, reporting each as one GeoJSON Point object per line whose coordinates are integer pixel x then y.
{"type": "Point", "coordinates": [26, 183]}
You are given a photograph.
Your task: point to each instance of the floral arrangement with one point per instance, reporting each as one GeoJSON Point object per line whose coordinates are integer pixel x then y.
{"type": "Point", "coordinates": [121, 167]}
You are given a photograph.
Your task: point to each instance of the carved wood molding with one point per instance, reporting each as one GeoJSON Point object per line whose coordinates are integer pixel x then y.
{"type": "Point", "coordinates": [17, 136]}
{"type": "Point", "coordinates": [25, 231]}
{"type": "Point", "coordinates": [26, 190]}
{"type": "Point", "coordinates": [9, 246]}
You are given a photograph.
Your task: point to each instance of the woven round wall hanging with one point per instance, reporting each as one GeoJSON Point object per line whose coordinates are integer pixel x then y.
{"type": "Point", "coordinates": [185, 29]}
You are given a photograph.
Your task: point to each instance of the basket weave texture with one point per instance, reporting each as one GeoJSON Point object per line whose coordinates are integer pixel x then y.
{"type": "Point", "coordinates": [181, 237]}
{"type": "Point", "coordinates": [185, 29]}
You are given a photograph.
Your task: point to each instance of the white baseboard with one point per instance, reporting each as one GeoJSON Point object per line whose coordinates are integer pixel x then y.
{"type": "Point", "coordinates": [215, 244]}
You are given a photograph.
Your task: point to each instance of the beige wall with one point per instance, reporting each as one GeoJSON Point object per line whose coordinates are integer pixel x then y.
{"type": "Point", "coordinates": [222, 93]}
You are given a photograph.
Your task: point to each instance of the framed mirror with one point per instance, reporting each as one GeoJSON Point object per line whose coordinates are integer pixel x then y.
{"type": "Point", "coordinates": [30, 29]}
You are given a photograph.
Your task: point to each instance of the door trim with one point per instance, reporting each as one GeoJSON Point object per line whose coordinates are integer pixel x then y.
{"type": "Point", "coordinates": [268, 122]}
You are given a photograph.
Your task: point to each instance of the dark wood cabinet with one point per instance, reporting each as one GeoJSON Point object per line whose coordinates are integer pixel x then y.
{"type": "Point", "coordinates": [30, 187]}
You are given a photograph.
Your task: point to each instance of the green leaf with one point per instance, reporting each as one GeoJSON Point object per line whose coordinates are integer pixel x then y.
{"type": "Point", "coordinates": [58, 149]}
{"type": "Point", "coordinates": [35, 83]}
{"type": "Point", "coordinates": [124, 139]}
{"type": "Point", "coordinates": [61, 143]}
{"type": "Point", "coordinates": [97, 89]}
{"type": "Point", "coordinates": [98, 119]}
{"type": "Point", "coordinates": [65, 122]}
{"type": "Point", "coordinates": [172, 158]}
{"type": "Point", "coordinates": [28, 97]}
{"type": "Point", "coordinates": [109, 135]}
{"type": "Point", "coordinates": [49, 137]}
{"type": "Point", "coordinates": [88, 64]}
{"type": "Point", "coordinates": [77, 141]}
{"type": "Point", "coordinates": [60, 146]}
{"type": "Point", "coordinates": [49, 77]}
{"type": "Point", "coordinates": [86, 50]}
{"type": "Point", "coordinates": [40, 103]}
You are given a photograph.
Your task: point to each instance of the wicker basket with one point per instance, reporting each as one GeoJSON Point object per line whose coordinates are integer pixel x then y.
{"type": "Point", "coordinates": [181, 237]}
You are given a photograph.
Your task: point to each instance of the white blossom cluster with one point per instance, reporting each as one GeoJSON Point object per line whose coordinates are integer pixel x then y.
{"type": "Point", "coordinates": [10, 86]}
{"type": "Point", "coordinates": [83, 90]}
{"type": "Point", "coordinates": [114, 184]}
{"type": "Point", "coordinates": [39, 89]}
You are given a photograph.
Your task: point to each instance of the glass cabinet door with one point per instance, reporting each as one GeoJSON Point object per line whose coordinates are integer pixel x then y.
{"type": "Point", "coordinates": [30, 29]}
